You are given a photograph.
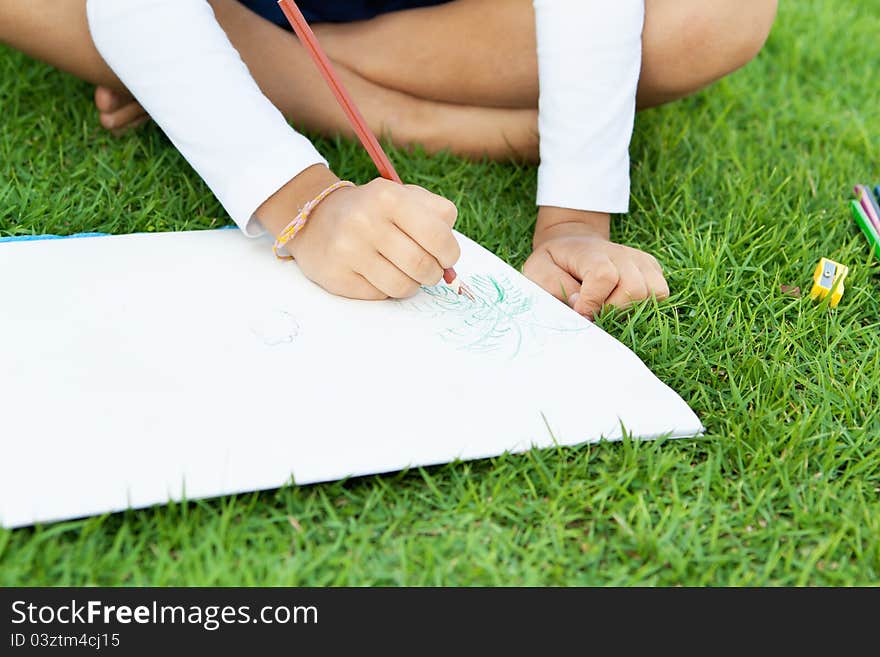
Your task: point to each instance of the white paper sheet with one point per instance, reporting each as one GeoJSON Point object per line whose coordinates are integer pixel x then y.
{"type": "Point", "coordinates": [141, 368]}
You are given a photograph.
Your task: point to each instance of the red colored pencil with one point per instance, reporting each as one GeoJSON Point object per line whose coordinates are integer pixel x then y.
{"type": "Point", "coordinates": [365, 135]}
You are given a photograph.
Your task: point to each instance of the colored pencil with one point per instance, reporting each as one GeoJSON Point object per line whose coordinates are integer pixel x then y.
{"type": "Point", "coordinates": [863, 194]}
{"type": "Point", "coordinates": [869, 198]}
{"type": "Point", "coordinates": [864, 223]}
{"type": "Point", "coordinates": [365, 135]}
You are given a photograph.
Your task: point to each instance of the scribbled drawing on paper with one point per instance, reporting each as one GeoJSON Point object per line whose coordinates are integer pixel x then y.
{"type": "Point", "coordinates": [277, 328]}
{"type": "Point", "coordinates": [498, 320]}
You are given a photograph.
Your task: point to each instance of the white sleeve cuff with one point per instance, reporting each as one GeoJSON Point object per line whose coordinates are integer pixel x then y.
{"type": "Point", "coordinates": [589, 59]}
{"type": "Point", "coordinates": [259, 179]}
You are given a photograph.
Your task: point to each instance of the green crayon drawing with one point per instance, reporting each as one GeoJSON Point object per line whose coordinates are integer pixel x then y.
{"type": "Point", "coordinates": [497, 320]}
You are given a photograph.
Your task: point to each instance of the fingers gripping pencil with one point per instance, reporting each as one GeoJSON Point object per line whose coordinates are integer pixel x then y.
{"type": "Point", "coordinates": [365, 135]}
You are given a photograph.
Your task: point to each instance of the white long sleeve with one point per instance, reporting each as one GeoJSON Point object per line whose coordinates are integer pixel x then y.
{"type": "Point", "coordinates": [178, 62]}
{"type": "Point", "coordinates": [589, 60]}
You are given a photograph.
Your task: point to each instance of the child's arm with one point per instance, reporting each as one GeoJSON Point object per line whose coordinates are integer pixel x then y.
{"type": "Point", "coordinates": [178, 62]}
{"type": "Point", "coordinates": [373, 241]}
{"type": "Point", "coordinates": [589, 57]}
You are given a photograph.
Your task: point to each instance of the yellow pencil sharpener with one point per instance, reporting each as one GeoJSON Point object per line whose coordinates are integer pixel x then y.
{"type": "Point", "coordinates": [828, 279]}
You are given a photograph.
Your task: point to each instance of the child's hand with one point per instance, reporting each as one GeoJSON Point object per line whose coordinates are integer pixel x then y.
{"type": "Point", "coordinates": [378, 240]}
{"type": "Point", "coordinates": [577, 263]}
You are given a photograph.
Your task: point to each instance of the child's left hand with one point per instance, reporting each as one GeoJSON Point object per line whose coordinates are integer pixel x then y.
{"type": "Point", "coordinates": [577, 263]}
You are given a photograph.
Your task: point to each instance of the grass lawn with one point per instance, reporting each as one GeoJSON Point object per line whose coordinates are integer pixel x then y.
{"type": "Point", "coordinates": [737, 191]}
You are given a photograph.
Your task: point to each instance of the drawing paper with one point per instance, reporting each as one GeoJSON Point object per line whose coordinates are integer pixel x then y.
{"type": "Point", "coordinates": [139, 369]}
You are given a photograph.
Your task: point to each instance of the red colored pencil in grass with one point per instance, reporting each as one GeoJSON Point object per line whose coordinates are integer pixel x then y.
{"type": "Point", "coordinates": [365, 135]}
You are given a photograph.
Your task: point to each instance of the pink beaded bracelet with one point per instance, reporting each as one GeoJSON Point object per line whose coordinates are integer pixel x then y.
{"type": "Point", "coordinates": [296, 225]}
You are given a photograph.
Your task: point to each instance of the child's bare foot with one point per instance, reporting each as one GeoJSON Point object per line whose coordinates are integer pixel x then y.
{"type": "Point", "coordinates": [119, 112]}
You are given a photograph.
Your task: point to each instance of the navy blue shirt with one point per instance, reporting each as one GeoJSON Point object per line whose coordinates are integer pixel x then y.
{"type": "Point", "coordinates": [335, 11]}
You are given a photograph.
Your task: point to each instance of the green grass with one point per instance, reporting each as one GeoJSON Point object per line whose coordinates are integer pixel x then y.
{"type": "Point", "coordinates": [737, 190]}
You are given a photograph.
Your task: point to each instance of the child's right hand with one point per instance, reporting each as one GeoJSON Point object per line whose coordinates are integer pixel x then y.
{"type": "Point", "coordinates": [377, 240]}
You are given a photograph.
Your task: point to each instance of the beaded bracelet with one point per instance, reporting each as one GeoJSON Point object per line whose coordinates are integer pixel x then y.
{"type": "Point", "coordinates": [300, 220]}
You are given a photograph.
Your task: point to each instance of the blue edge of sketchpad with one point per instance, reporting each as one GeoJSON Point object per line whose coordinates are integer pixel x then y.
{"type": "Point", "coordinates": [34, 238]}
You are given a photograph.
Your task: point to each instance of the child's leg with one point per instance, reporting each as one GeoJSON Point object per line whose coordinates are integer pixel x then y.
{"type": "Point", "coordinates": [288, 77]}
{"type": "Point", "coordinates": [414, 57]}
{"type": "Point", "coordinates": [56, 31]}
{"type": "Point", "coordinates": [687, 44]}
{"type": "Point", "coordinates": [405, 69]}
